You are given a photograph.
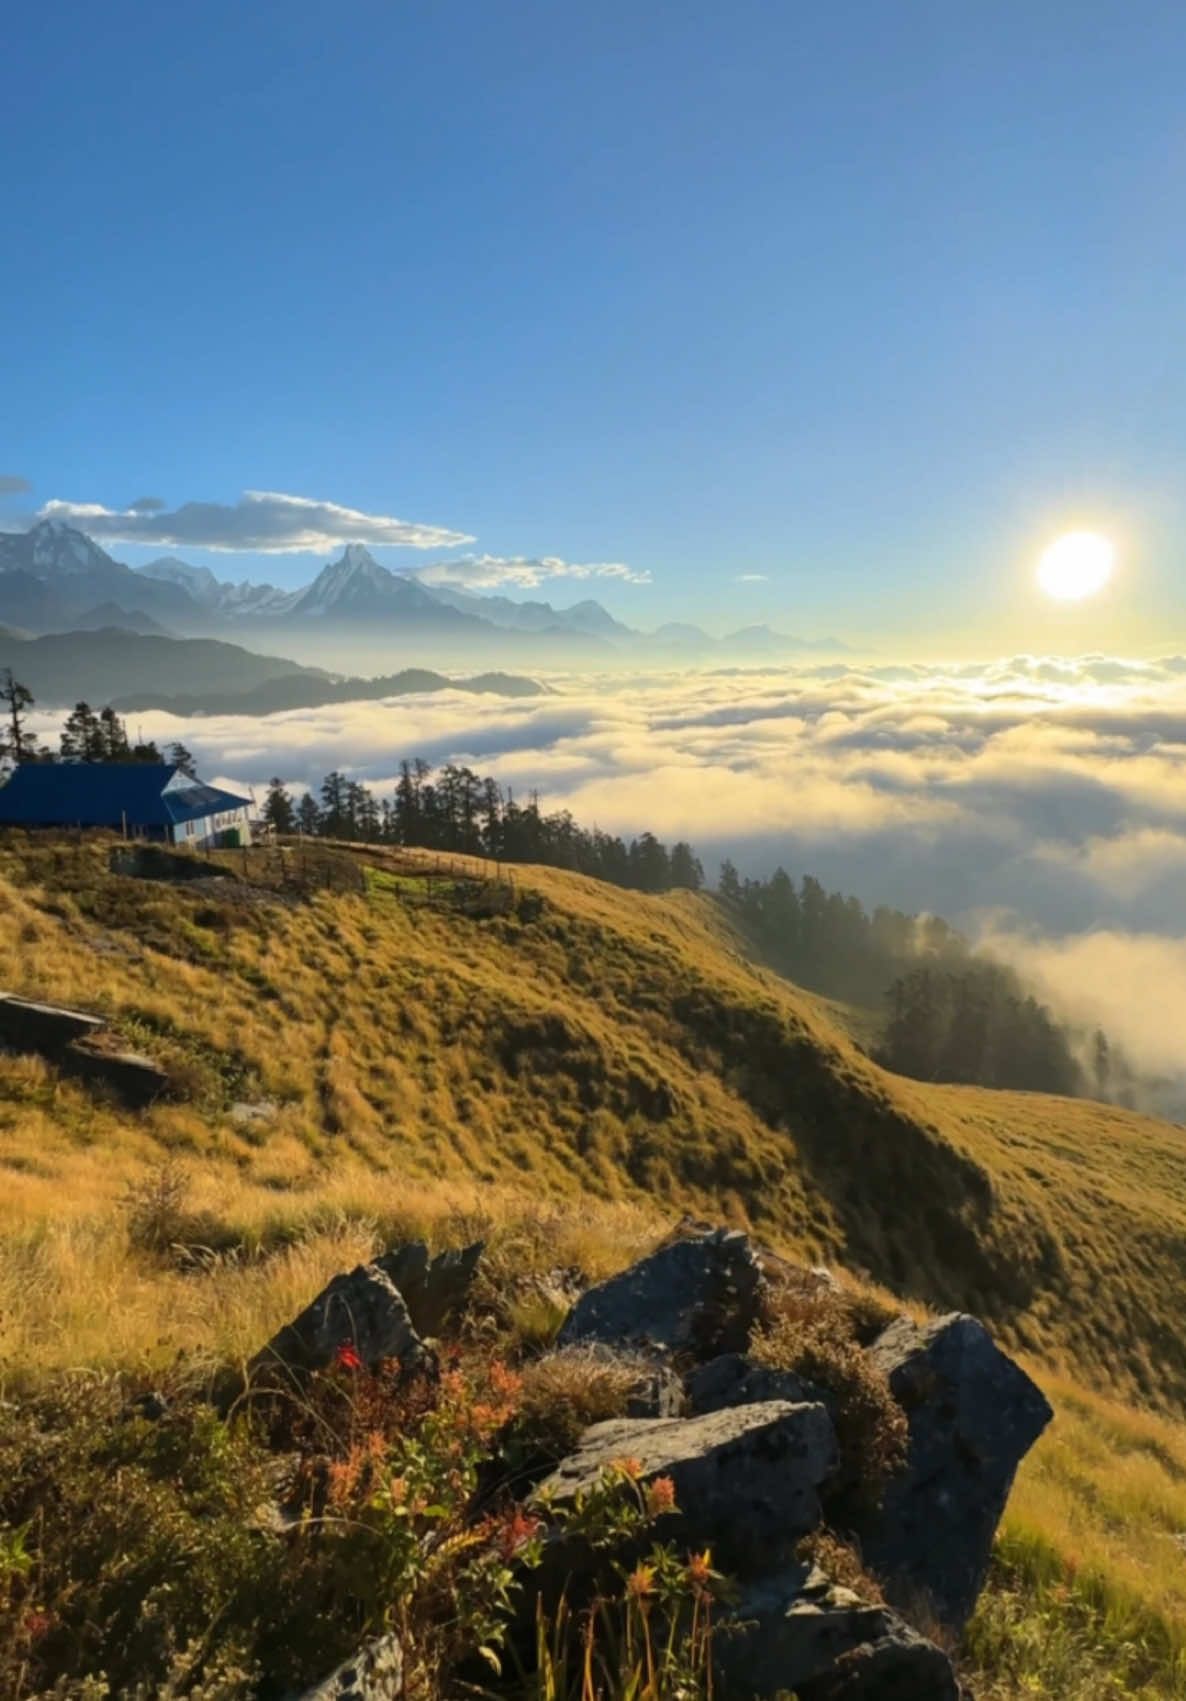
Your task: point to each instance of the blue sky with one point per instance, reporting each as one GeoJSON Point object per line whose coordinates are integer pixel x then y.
{"type": "Point", "coordinates": [868, 300]}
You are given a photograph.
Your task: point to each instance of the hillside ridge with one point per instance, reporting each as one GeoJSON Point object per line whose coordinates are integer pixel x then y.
{"type": "Point", "coordinates": [590, 1040]}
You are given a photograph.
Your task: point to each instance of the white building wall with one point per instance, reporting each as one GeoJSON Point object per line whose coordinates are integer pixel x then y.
{"type": "Point", "coordinates": [208, 829]}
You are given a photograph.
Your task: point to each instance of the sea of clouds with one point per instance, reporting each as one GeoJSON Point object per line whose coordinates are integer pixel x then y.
{"type": "Point", "coordinates": [1039, 803]}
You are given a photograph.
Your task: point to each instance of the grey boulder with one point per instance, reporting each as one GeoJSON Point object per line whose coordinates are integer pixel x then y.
{"type": "Point", "coordinates": [798, 1631]}
{"type": "Point", "coordinates": [973, 1416]}
{"type": "Point", "coordinates": [746, 1481]}
{"type": "Point", "coordinates": [374, 1673]}
{"type": "Point", "coordinates": [698, 1296]}
{"type": "Point", "coordinates": [433, 1289]}
{"type": "Point", "coordinates": [360, 1309]}
{"type": "Point", "coordinates": [731, 1379]}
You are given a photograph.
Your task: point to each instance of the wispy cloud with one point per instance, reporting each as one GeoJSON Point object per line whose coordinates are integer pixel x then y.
{"type": "Point", "coordinates": [751, 578]}
{"type": "Point", "coordinates": [489, 572]}
{"type": "Point", "coordinates": [12, 484]}
{"type": "Point", "coordinates": [263, 521]}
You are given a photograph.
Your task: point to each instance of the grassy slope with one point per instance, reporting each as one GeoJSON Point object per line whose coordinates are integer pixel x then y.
{"type": "Point", "coordinates": [617, 1045]}
{"type": "Point", "coordinates": [613, 1052]}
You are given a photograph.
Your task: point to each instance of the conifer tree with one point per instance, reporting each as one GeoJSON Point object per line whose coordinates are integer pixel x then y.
{"type": "Point", "coordinates": [278, 809]}
{"type": "Point", "coordinates": [183, 760]}
{"type": "Point", "coordinates": [17, 743]}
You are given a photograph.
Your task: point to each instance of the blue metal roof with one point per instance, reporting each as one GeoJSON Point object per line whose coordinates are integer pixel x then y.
{"type": "Point", "coordinates": [105, 794]}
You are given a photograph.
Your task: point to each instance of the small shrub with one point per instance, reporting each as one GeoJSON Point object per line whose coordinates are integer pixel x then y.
{"type": "Point", "coordinates": [161, 1223]}
{"type": "Point", "coordinates": [841, 1563]}
{"type": "Point", "coordinates": [189, 1556]}
{"type": "Point", "coordinates": [156, 1207]}
{"type": "Point", "coordinates": [811, 1332]}
{"type": "Point", "coordinates": [535, 1318]}
{"type": "Point", "coordinates": [565, 1391]}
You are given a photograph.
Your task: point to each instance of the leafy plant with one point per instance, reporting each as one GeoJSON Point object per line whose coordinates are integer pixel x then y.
{"type": "Point", "coordinates": [650, 1636]}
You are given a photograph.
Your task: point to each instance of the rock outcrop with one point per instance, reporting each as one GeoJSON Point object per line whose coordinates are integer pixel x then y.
{"type": "Point", "coordinates": [752, 1468]}
{"type": "Point", "coordinates": [73, 1041]}
{"type": "Point", "coordinates": [746, 1482]}
{"type": "Point", "coordinates": [973, 1416]}
{"type": "Point", "coordinates": [433, 1289]}
{"type": "Point", "coordinates": [695, 1297]}
{"type": "Point", "coordinates": [360, 1313]}
{"type": "Point", "coordinates": [797, 1630]}
{"type": "Point", "coordinates": [731, 1379]}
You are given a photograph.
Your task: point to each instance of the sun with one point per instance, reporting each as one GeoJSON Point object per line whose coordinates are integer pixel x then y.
{"type": "Point", "coordinates": [1076, 565]}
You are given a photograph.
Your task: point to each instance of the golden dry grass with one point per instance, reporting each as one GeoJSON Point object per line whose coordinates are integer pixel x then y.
{"type": "Point", "coordinates": [612, 1046]}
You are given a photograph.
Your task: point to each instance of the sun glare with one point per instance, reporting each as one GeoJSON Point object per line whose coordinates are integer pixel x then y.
{"type": "Point", "coordinates": [1076, 565]}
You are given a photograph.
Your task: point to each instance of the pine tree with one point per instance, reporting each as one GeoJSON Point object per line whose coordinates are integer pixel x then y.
{"type": "Point", "coordinates": [729, 885]}
{"type": "Point", "coordinates": [183, 760]}
{"type": "Point", "coordinates": [308, 815]}
{"type": "Point", "coordinates": [650, 865]}
{"type": "Point", "coordinates": [335, 818]}
{"type": "Point", "coordinates": [81, 737]}
{"type": "Point", "coordinates": [16, 741]}
{"type": "Point", "coordinates": [113, 737]}
{"type": "Point", "coordinates": [278, 810]}
{"type": "Point", "coordinates": [1101, 1063]}
{"type": "Point", "coordinates": [686, 872]}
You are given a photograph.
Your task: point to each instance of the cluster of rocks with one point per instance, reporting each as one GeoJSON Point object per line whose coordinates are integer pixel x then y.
{"type": "Point", "coordinates": [751, 1453]}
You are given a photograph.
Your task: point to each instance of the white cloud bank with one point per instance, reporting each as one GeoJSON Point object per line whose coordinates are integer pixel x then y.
{"type": "Point", "coordinates": [264, 521]}
{"type": "Point", "coordinates": [527, 573]}
{"type": "Point", "coordinates": [1038, 802]}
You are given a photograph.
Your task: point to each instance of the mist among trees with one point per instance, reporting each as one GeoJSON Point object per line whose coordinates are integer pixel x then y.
{"type": "Point", "coordinates": [949, 1013]}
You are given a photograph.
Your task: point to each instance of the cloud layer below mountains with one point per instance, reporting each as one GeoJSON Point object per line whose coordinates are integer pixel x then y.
{"type": "Point", "coordinates": [1040, 802]}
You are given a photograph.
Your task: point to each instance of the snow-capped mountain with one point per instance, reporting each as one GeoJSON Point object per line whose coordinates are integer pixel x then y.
{"type": "Point", "coordinates": [356, 588]}
{"type": "Point", "coordinates": [200, 582]}
{"type": "Point", "coordinates": [53, 573]}
{"type": "Point", "coordinates": [220, 595]}
{"type": "Point", "coordinates": [52, 550]}
{"type": "Point", "coordinates": [53, 578]}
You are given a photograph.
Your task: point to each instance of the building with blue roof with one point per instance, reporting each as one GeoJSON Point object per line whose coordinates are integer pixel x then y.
{"type": "Point", "coordinates": [144, 800]}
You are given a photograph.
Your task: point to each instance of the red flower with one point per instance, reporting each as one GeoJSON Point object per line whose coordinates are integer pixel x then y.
{"type": "Point", "coordinates": [516, 1530]}
{"type": "Point", "coordinates": [346, 1357]}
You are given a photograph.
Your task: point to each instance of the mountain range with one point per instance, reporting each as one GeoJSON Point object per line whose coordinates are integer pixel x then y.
{"type": "Point", "coordinates": [53, 578]}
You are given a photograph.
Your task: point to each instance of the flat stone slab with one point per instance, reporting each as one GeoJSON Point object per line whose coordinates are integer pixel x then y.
{"type": "Point", "coordinates": [26, 1025]}
{"type": "Point", "coordinates": [134, 1079]}
{"type": "Point", "coordinates": [746, 1481]}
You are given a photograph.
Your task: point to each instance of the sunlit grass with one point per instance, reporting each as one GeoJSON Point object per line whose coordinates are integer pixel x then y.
{"type": "Point", "coordinates": [1089, 1593]}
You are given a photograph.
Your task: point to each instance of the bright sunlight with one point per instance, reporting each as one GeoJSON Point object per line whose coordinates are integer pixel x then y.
{"type": "Point", "coordinates": [1076, 565]}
